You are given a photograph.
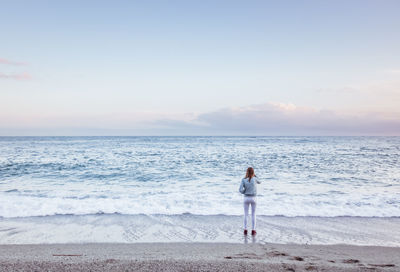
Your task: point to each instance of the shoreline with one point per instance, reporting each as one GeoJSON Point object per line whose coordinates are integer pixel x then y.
{"type": "Point", "coordinates": [197, 257]}
{"type": "Point", "coordinates": [116, 228]}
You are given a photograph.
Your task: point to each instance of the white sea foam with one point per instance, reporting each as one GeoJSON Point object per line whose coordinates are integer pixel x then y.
{"type": "Point", "coordinates": [199, 201]}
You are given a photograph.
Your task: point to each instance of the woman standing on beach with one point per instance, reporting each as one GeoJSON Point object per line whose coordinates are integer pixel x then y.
{"type": "Point", "coordinates": [249, 189]}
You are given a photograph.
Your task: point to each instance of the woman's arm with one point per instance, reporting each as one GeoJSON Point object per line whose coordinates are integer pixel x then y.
{"type": "Point", "coordinates": [241, 188]}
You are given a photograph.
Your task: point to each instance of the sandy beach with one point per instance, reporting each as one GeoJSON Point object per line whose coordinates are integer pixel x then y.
{"type": "Point", "coordinates": [198, 243]}
{"type": "Point", "coordinates": [197, 257]}
{"type": "Point", "coordinates": [187, 228]}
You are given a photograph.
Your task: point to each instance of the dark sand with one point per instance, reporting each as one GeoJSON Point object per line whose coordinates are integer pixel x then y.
{"type": "Point", "coordinates": [197, 257]}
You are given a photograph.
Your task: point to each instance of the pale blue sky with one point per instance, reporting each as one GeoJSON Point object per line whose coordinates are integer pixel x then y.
{"type": "Point", "coordinates": [159, 67]}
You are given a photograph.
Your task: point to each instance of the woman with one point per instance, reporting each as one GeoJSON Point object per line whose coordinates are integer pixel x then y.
{"type": "Point", "coordinates": [249, 189]}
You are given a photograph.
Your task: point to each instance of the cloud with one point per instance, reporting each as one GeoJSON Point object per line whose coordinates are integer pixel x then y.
{"type": "Point", "coordinates": [10, 62]}
{"type": "Point", "coordinates": [286, 119]}
{"type": "Point", "coordinates": [20, 76]}
{"type": "Point", "coordinates": [15, 76]}
{"type": "Point", "coordinates": [267, 119]}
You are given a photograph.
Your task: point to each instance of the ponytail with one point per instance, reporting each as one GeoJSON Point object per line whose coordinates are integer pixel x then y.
{"type": "Point", "coordinates": [250, 173]}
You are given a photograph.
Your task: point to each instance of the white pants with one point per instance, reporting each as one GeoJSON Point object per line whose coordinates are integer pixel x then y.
{"type": "Point", "coordinates": [250, 200]}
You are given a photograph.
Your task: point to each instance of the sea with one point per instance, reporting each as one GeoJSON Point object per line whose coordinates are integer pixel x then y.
{"type": "Point", "coordinates": [314, 190]}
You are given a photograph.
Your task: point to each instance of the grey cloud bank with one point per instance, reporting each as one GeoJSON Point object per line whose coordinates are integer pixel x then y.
{"type": "Point", "coordinates": [287, 119]}
{"type": "Point", "coordinates": [269, 119]}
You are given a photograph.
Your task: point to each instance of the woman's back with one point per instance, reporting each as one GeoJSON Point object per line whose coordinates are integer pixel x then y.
{"type": "Point", "coordinates": [249, 188]}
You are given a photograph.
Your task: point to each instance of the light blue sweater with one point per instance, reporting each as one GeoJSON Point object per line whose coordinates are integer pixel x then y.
{"type": "Point", "coordinates": [249, 188]}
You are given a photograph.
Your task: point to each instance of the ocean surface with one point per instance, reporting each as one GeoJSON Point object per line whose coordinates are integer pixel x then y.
{"type": "Point", "coordinates": [176, 178]}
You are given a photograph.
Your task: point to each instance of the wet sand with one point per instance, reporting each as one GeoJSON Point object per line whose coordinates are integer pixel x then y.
{"type": "Point", "coordinates": [117, 228]}
{"type": "Point", "coordinates": [197, 257]}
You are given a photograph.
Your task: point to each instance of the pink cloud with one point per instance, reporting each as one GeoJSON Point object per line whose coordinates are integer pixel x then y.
{"type": "Point", "coordinates": [21, 76]}
{"type": "Point", "coordinates": [10, 62]}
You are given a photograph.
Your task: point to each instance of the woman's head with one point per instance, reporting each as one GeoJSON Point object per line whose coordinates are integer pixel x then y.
{"type": "Point", "coordinates": [250, 173]}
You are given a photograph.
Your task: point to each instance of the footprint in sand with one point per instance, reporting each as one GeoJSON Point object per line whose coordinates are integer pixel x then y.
{"type": "Point", "coordinates": [244, 256]}
{"type": "Point", "coordinates": [382, 265]}
{"type": "Point", "coordinates": [351, 261]}
{"type": "Point", "coordinates": [276, 254]}
{"type": "Point", "coordinates": [297, 258]}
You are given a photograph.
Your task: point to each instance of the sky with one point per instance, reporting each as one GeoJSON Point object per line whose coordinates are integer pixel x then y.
{"type": "Point", "coordinates": [199, 67]}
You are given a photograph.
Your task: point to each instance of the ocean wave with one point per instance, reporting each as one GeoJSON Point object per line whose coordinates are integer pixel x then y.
{"type": "Point", "coordinates": [14, 205]}
{"type": "Point", "coordinates": [301, 176]}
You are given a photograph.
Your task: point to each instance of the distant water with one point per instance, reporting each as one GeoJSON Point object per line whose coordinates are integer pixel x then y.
{"type": "Point", "coordinates": [301, 176]}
